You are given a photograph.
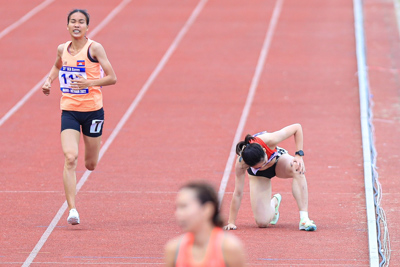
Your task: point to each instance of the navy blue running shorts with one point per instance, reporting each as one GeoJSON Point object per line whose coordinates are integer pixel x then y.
{"type": "Point", "coordinates": [91, 122]}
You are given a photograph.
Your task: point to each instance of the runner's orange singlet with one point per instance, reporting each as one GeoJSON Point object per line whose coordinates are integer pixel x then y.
{"type": "Point", "coordinates": [88, 99]}
{"type": "Point", "coordinates": [214, 256]}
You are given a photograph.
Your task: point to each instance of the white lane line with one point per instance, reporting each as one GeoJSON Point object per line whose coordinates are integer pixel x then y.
{"type": "Point", "coordinates": [120, 124]}
{"type": "Point", "coordinates": [28, 95]}
{"type": "Point", "coordinates": [254, 83]}
{"type": "Point", "coordinates": [22, 101]}
{"type": "Point", "coordinates": [94, 192]}
{"type": "Point", "coordinates": [397, 11]}
{"type": "Point", "coordinates": [27, 16]}
{"type": "Point", "coordinates": [363, 84]}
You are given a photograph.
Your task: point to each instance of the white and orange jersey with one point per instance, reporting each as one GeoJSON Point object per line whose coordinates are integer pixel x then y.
{"type": "Point", "coordinates": [88, 99]}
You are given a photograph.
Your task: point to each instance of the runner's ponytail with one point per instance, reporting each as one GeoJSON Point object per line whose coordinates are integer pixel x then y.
{"type": "Point", "coordinates": [251, 153]}
{"type": "Point", "coordinates": [242, 144]}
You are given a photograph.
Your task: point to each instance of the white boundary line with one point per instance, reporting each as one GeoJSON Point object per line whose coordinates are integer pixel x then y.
{"type": "Point", "coordinates": [397, 11]}
{"type": "Point", "coordinates": [119, 126]}
{"type": "Point", "coordinates": [254, 83]}
{"type": "Point", "coordinates": [25, 18]}
{"type": "Point", "coordinates": [364, 104]}
{"type": "Point", "coordinates": [28, 95]}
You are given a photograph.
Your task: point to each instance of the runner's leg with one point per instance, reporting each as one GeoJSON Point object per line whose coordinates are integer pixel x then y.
{"type": "Point", "coordinates": [92, 149]}
{"type": "Point", "coordinates": [261, 203]}
{"type": "Point", "coordinates": [70, 144]}
{"type": "Point", "coordinates": [299, 183]}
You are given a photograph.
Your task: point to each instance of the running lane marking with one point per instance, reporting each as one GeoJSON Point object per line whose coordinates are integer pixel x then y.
{"type": "Point", "coordinates": [119, 126]}
{"type": "Point", "coordinates": [27, 16]}
{"type": "Point", "coordinates": [254, 83]}
{"type": "Point", "coordinates": [28, 95]}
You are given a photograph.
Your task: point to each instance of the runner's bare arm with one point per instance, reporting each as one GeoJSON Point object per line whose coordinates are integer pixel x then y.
{"type": "Point", "coordinates": [240, 169]}
{"type": "Point", "coordinates": [54, 71]}
{"type": "Point", "coordinates": [273, 139]}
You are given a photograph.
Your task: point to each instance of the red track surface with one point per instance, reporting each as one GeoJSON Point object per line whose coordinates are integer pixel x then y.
{"type": "Point", "coordinates": [183, 129]}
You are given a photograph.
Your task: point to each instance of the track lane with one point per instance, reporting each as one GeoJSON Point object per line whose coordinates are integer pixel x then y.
{"type": "Point", "coordinates": [19, 9]}
{"type": "Point", "coordinates": [313, 82]}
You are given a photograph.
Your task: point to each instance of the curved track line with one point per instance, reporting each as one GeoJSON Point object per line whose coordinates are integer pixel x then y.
{"type": "Point", "coordinates": [28, 95]}
{"type": "Point", "coordinates": [119, 126]}
{"type": "Point", "coordinates": [25, 18]}
{"type": "Point", "coordinates": [365, 130]}
{"type": "Point", "coordinates": [254, 83]}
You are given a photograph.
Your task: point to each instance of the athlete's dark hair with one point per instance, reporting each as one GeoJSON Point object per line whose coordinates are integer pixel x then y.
{"type": "Point", "coordinates": [83, 11]}
{"type": "Point", "coordinates": [251, 153]}
{"type": "Point", "coordinates": [205, 193]}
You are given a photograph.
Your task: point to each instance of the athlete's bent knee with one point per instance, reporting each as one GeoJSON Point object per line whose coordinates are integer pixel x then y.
{"type": "Point", "coordinates": [90, 165]}
{"type": "Point", "coordinates": [262, 224]}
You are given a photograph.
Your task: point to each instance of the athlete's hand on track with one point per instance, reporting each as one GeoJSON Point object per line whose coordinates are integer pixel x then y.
{"type": "Point", "coordinates": [46, 88]}
{"type": "Point", "coordinates": [230, 226]}
{"type": "Point", "coordinates": [79, 83]}
{"type": "Point", "coordinates": [299, 164]}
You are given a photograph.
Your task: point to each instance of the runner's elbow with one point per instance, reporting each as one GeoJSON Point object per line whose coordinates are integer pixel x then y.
{"type": "Point", "coordinates": [114, 80]}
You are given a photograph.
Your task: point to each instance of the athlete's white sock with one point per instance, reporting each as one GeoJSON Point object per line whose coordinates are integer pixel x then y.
{"type": "Point", "coordinates": [304, 215]}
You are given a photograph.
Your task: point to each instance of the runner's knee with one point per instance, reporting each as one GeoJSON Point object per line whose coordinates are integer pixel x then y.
{"type": "Point", "coordinates": [262, 223]}
{"type": "Point", "coordinates": [90, 165]}
{"type": "Point", "coordinates": [71, 159]}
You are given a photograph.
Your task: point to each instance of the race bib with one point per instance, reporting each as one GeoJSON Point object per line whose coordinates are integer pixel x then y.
{"type": "Point", "coordinates": [67, 74]}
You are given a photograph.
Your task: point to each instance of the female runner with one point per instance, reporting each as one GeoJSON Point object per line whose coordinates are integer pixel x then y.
{"type": "Point", "coordinates": [83, 68]}
{"type": "Point", "coordinates": [263, 160]}
{"type": "Point", "coordinates": [205, 243]}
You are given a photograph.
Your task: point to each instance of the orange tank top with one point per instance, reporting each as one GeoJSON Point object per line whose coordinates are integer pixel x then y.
{"type": "Point", "coordinates": [214, 256]}
{"type": "Point", "coordinates": [88, 99]}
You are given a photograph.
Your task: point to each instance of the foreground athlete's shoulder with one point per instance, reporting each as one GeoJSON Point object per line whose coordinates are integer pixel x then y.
{"type": "Point", "coordinates": [232, 247]}
{"type": "Point", "coordinates": [172, 245]}
{"type": "Point", "coordinates": [170, 250]}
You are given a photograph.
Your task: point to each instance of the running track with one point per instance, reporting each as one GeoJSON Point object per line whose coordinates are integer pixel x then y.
{"type": "Point", "coordinates": [183, 127]}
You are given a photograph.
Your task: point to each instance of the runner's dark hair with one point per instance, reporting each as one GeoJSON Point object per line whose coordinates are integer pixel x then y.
{"type": "Point", "coordinates": [83, 11]}
{"type": "Point", "coordinates": [251, 153]}
{"type": "Point", "coordinates": [205, 193]}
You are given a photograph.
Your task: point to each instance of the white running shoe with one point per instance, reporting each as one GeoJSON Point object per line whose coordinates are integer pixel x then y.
{"type": "Point", "coordinates": [276, 217]}
{"type": "Point", "coordinates": [73, 217]}
{"type": "Point", "coordinates": [307, 225]}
